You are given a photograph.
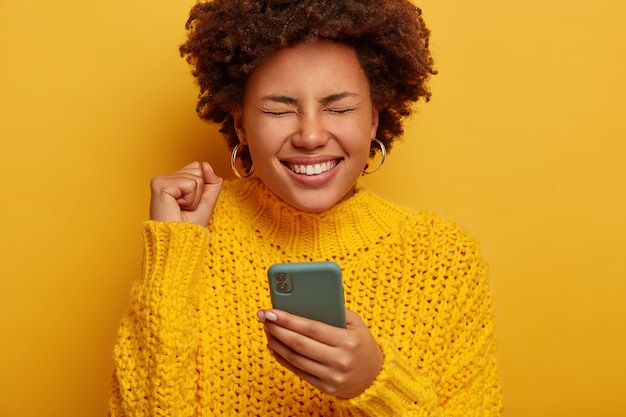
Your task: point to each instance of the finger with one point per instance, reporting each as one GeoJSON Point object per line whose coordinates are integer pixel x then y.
{"type": "Point", "coordinates": [311, 378]}
{"type": "Point", "coordinates": [205, 188]}
{"type": "Point", "coordinates": [321, 332]}
{"type": "Point", "coordinates": [302, 351]}
{"type": "Point", "coordinates": [167, 196]}
{"type": "Point", "coordinates": [298, 361]}
{"type": "Point", "coordinates": [324, 377]}
{"type": "Point", "coordinates": [281, 338]}
{"type": "Point", "coordinates": [176, 184]}
{"type": "Point", "coordinates": [188, 190]}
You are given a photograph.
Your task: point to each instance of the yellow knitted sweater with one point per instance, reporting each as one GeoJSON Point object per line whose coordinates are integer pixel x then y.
{"type": "Point", "coordinates": [192, 346]}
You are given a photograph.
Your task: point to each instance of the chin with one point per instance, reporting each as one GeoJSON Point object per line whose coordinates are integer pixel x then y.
{"type": "Point", "coordinates": [312, 207]}
{"type": "Point", "coordinates": [316, 202]}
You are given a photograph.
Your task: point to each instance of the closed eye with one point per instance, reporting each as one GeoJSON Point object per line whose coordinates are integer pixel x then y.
{"type": "Point", "coordinates": [276, 113]}
{"type": "Point", "coordinates": [339, 111]}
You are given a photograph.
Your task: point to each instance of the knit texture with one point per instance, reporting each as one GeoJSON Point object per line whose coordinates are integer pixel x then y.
{"type": "Point", "coordinates": [192, 346]}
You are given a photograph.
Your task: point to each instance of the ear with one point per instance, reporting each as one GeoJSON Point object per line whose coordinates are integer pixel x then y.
{"type": "Point", "coordinates": [239, 129]}
{"type": "Point", "coordinates": [375, 114]}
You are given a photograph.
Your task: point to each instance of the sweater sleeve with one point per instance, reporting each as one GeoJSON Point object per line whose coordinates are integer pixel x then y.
{"type": "Point", "coordinates": [155, 370]}
{"type": "Point", "coordinates": [450, 369]}
{"type": "Point", "coordinates": [397, 391]}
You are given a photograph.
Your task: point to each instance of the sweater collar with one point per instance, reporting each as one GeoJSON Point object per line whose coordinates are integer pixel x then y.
{"type": "Point", "coordinates": [351, 225]}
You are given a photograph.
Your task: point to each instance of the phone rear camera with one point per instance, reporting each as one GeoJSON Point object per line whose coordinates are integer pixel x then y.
{"type": "Point", "coordinates": [283, 283]}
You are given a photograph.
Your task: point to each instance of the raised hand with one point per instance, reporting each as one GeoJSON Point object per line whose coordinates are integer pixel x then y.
{"type": "Point", "coordinates": [339, 362]}
{"type": "Point", "coordinates": [187, 195]}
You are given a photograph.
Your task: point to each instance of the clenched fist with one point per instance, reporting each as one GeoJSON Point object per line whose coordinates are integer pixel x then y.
{"type": "Point", "coordinates": [187, 195]}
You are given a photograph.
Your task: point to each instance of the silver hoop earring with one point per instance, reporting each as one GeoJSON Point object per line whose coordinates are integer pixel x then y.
{"type": "Point", "coordinates": [233, 164]}
{"type": "Point", "coordinates": [383, 153]}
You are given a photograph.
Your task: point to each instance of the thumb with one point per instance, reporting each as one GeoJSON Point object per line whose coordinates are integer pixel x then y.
{"type": "Point", "coordinates": [212, 187]}
{"type": "Point", "coordinates": [353, 320]}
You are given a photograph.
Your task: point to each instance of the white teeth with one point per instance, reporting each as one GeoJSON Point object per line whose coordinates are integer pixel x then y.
{"type": "Point", "coordinates": [315, 169]}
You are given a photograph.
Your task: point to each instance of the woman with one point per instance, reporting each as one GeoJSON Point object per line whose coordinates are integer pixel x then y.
{"type": "Point", "coordinates": [306, 92]}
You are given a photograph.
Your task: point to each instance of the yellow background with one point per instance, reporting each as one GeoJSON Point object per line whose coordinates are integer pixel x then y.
{"type": "Point", "coordinates": [523, 144]}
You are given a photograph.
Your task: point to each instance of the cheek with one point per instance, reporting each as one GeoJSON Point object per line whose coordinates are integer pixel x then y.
{"type": "Point", "coordinates": [365, 152]}
{"type": "Point", "coordinates": [264, 147]}
{"type": "Point", "coordinates": [258, 138]}
{"type": "Point", "coordinates": [259, 149]}
{"type": "Point", "coordinates": [358, 139]}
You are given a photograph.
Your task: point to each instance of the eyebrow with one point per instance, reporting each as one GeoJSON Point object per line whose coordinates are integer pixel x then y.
{"type": "Point", "coordinates": [276, 98]}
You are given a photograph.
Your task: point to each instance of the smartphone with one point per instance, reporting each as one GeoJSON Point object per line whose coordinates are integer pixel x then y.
{"type": "Point", "coordinates": [309, 289]}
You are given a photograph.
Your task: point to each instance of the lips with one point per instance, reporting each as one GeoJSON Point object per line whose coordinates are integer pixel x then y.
{"type": "Point", "coordinates": [312, 169]}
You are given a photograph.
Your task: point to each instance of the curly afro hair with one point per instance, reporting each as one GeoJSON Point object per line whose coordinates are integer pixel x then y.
{"type": "Point", "coordinates": [228, 39]}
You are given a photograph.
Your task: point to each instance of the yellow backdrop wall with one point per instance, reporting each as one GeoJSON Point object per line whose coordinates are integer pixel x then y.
{"type": "Point", "coordinates": [523, 144]}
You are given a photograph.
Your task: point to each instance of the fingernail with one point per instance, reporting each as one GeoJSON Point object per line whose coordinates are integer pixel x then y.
{"type": "Point", "coordinates": [261, 316]}
{"type": "Point", "coordinates": [270, 316]}
{"type": "Point", "coordinates": [210, 167]}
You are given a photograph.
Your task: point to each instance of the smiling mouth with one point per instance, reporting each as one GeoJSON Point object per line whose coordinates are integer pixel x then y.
{"type": "Point", "coordinates": [312, 169]}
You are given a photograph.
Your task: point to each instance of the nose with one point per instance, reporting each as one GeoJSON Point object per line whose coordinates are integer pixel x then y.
{"type": "Point", "coordinates": [312, 132]}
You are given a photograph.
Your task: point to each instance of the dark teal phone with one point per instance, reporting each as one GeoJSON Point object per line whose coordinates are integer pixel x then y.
{"type": "Point", "coordinates": [309, 289]}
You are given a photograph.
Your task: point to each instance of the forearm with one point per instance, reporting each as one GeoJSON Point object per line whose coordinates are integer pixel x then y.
{"type": "Point", "coordinates": [399, 390]}
{"type": "Point", "coordinates": [157, 341]}
{"type": "Point", "coordinates": [440, 359]}
{"type": "Point", "coordinates": [467, 388]}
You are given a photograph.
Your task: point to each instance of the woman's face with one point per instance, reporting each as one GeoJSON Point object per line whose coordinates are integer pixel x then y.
{"type": "Point", "coordinates": [308, 120]}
